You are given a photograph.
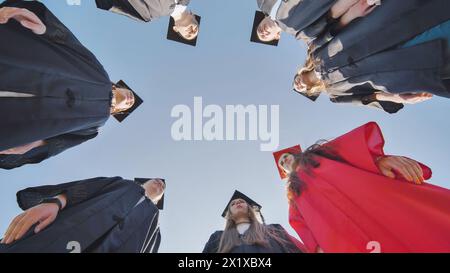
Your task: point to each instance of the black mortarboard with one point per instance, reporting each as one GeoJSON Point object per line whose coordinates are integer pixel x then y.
{"type": "Point", "coordinates": [137, 102]}
{"type": "Point", "coordinates": [311, 97]}
{"type": "Point", "coordinates": [141, 181]}
{"type": "Point", "coordinates": [240, 195]}
{"type": "Point", "coordinates": [175, 36]}
{"type": "Point", "coordinates": [259, 16]}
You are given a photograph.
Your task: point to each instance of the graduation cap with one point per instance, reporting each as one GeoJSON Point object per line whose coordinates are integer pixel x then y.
{"type": "Point", "coordinates": [277, 155]}
{"type": "Point", "coordinates": [239, 195]}
{"type": "Point", "coordinates": [142, 181]}
{"type": "Point", "coordinates": [175, 36]}
{"type": "Point", "coordinates": [310, 97]}
{"type": "Point", "coordinates": [259, 16]}
{"type": "Point", "coordinates": [121, 116]}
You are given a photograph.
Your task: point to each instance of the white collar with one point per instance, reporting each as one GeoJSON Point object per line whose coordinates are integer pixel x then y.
{"type": "Point", "coordinates": [242, 227]}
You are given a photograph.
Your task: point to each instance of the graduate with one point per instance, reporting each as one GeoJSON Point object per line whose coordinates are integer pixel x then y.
{"type": "Point", "coordinates": [97, 215]}
{"type": "Point", "coordinates": [246, 232]}
{"type": "Point", "coordinates": [347, 195]}
{"type": "Point", "coordinates": [368, 64]}
{"type": "Point", "coordinates": [185, 23]}
{"type": "Point", "coordinates": [307, 19]}
{"type": "Point", "coordinates": [54, 93]}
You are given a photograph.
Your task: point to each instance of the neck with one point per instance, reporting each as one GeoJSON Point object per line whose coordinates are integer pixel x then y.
{"type": "Point", "coordinates": [242, 221]}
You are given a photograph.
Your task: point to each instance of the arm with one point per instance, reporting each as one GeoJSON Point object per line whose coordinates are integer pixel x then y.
{"type": "Point", "coordinates": [42, 214]}
{"type": "Point", "coordinates": [141, 10]}
{"type": "Point", "coordinates": [359, 9]}
{"type": "Point", "coordinates": [405, 98]}
{"type": "Point", "coordinates": [26, 18]}
{"type": "Point", "coordinates": [363, 148]}
{"type": "Point", "coordinates": [75, 192]}
{"type": "Point", "coordinates": [370, 101]}
{"type": "Point", "coordinates": [39, 151]}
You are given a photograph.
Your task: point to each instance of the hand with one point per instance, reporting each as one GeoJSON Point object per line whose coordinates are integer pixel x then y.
{"type": "Point", "coordinates": [360, 9]}
{"type": "Point", "coordinates": [25, 17]}
{"type": "Point", "coordinates": [319, 250]}
{"type": "Point", "coordinates": [405, 98]}
{"type": "Point", "coordinates": [44, 214]}
{"type": "Point", "coordinates": [23, 149]}
{"type": "Point", "coordinates": [408, 168]}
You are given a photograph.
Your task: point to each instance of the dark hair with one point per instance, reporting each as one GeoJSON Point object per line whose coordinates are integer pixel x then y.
{"type": "Point", "coordinates": [307, 160]}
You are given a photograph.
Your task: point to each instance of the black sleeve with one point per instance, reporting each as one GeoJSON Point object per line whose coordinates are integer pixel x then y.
{"type": "Point", "coordinates": [57, 32]}
{"type": "Point", "coordinates": [76, 192]}
{"type": "Point", "coordinates": [362, 100]}
{"type": "Point", "coordinates": [212, 246]}
{"type": "Point", "coordinates": [53, 146]}
{"type": "Point", "coordinates": [59, 144]}
{"type": "Point", "coordinates": [322, 25]}
{"type": "Point", "coordinates": [121, 6]}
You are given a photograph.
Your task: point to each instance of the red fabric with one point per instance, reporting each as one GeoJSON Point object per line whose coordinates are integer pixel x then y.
{"type": "Point", "coordinates": [344, 206]}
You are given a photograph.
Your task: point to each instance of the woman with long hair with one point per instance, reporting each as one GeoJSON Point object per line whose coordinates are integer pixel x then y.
{"type": "Point", "coordinates": [346, 195]}
{"type": "Point", "coordinates": [367, 64]}
{"type": "Point", "coordinates": [246, 232]}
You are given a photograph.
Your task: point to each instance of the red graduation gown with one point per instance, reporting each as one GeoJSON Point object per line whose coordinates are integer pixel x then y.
{"type": "Point", "coordinates": [351, 206]}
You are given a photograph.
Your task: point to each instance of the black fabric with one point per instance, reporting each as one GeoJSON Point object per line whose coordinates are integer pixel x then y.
{"type": "Point", "coordinates": [142, 10]}
{"type": "Point", "coordinates": [100, 216]}
{"type": "Point", "coordinates": [212, 246]}
{"type": "Point", "coordinates": [71, 90]}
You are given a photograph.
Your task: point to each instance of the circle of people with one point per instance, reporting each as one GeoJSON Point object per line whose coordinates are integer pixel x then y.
{"type": "Point", "coordinates": [345, 195]}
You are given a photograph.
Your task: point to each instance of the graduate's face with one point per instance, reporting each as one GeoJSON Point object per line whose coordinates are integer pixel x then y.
{"type": "Point", "coordinates": [187, 27]}
{"type": "Point", "coordinates": [123, 99]}
{"type": "Point", "coordinates": [268, 30]}
{"type": "Point", "coordinates": [287, 162]}
{"type": "Point", "coordinates": [298, 84]}
{"type": "Point", "coordinates": [154, 189]}
{"type": "Point", "coordinates": [238, 207]}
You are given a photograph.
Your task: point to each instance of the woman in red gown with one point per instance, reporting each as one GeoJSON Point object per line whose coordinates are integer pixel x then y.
{"type": "Point", "coordinates": [346, 195]}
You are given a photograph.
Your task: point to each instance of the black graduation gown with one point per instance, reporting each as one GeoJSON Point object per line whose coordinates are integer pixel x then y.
{"type": "Point", "coordinates": [212, 246]}
{"type": "Point", "coordinates": [142, 10]}
{"type": "Point", "coordinates": [69, 89]}
{"type": "Point", "coordinates": [100, 216]}
{"type": "Point", "coordinates": [54, 146]}
{"type": "Point", "coordinates": [419, 70]}
{"type": "Point", "coordinates": [388, 26]}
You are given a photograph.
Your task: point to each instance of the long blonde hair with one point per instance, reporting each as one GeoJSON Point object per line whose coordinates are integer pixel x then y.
{"type": "Point", "coordinates": [310, 66]}
{"type": "Point", "coordinates": [257, 234]}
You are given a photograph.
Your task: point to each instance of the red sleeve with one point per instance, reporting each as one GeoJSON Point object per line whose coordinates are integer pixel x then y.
{"type": "Point", "coordinates": [361, 146]}
{"type": "Point", "coordinates": [298, 224]}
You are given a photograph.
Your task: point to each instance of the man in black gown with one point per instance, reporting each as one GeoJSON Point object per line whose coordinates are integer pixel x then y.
{"type": "Point", "coordinates": [103, 214]}
{"type": "Point", "coordinates": [54, 93]}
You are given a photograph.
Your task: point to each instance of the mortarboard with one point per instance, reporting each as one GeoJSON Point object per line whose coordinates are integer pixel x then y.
{"type": "Point", "coordinates": [292, 150]}
{"type": "Point", "coordinates": [141, 181]}
{"type": "Point", "coordinates": [259, 16]}
{"type": "Point", "coordinates": [239, 195]}
{"type": "Point", "coordinates": [310, 97]}
{"type": "Point", "coordinates": [137, 102]}
{"type": "Point", "coordinates": [175, 36]}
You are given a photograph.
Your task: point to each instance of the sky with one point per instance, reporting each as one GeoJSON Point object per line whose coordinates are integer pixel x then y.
{"type": "Point", "coordinates": [224, 69]}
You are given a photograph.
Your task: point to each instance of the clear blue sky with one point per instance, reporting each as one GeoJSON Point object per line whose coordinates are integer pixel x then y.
{"type": "Point", "coordinates": [225, 68]}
